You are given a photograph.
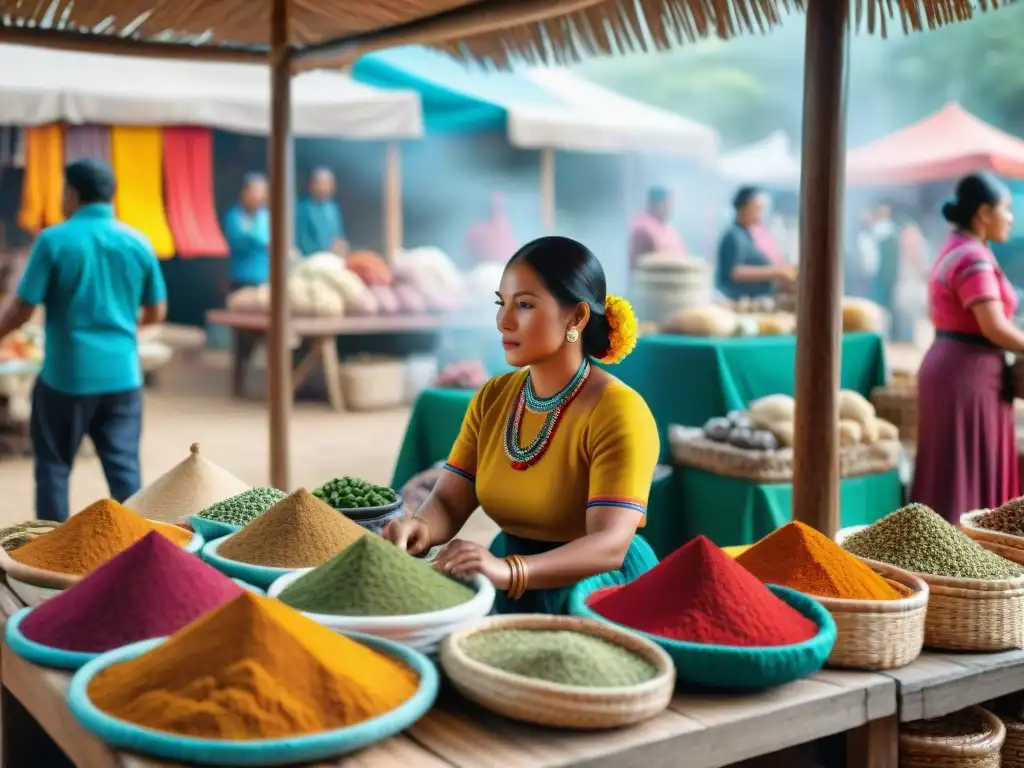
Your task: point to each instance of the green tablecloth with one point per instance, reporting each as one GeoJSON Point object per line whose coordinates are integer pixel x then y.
{"type": "Point", "coordinates": [685, 380]}
{"type": "Point", "coordinates": [732, 512]}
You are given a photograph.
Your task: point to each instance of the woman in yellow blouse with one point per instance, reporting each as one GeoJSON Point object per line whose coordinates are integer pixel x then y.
{"type": "Point", "coordinates": [560, 454]}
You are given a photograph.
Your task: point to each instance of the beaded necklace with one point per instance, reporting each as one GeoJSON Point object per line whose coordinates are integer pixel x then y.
{"type": "Point", "coordinates": [523, 458]}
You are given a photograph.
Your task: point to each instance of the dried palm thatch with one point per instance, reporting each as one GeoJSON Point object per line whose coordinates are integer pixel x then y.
{"type": "Point", "coordinates": [534, 31]}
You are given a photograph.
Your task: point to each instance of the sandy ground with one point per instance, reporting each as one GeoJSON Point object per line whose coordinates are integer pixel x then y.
{"type": "Point", "coordinates": [191, 404]}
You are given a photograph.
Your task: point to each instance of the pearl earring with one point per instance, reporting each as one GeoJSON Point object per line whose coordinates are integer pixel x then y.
{"type": "Point", "coordinates": [572, 336]}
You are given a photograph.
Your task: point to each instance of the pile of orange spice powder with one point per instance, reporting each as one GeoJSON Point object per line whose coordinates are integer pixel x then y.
{"type": "Point", "coordinates": [801, 558]}
{"type": "Point", "coordinates": [253, 669]}
{"type": "Point", "coordinates": [95, 535]}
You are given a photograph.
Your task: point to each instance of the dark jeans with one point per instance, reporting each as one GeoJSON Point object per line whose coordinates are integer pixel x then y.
{"type": "Point", "coordinates": [60, 421]}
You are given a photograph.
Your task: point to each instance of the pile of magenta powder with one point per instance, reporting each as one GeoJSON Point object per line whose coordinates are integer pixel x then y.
{"type": "Point", "coordinates": [152, 589]}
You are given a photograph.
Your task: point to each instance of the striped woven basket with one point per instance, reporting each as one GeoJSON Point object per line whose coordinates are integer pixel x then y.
{"type": "Point", "coordinates": [880, 634]}
{"type": "Point", "coordinates": [970, 738]}
{"type": "Point", "coordinates": [1013, 747]}
{"type": "Point", "coordinates": [1004, 544]}
{"type": "Point", "coordinates": [968, 614]}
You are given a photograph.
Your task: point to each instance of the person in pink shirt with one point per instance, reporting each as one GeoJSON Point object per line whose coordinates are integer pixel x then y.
{"type": "Point", "coordinates": [652, 230]}
{"type": "Point", "coordinates": [491, 240]}
{"type": "Point", "coordinates": [966, 450]}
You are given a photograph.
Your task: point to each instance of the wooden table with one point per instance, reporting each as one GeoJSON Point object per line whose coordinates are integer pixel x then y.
{"type": "Point", "coordinates": [322, 332]}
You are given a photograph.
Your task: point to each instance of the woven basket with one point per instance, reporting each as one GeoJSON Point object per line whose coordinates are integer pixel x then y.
{"type": "Point", "coordinates": [970, 738]}
{"type": "Point", "coordinates": [15, 536]}
{"type": "Point", "coordinates": [373, 385]}
{"type": "Point", "coordinates": [1013, 747]}
{"type": "Point", "coordinates": [661, 287]}
{"type": "Point", "coordinates": [551, 704]}
{"type": "Point", "coordinates": [897, 403]}
{"type": "Point", "coordinates": [968, 614]}
{"type": "Point", "coordinates": [879, 634]}
{"type": "Point", "coordinates": [690, 448]}
{"type": "Point", "coordinates": [1004, 544]}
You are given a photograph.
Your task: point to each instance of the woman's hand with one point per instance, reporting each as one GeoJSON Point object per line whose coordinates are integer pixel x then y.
{"type": "Point", "coordinates": [464, 559]}
{"type": "Point", "coordinates": [411, 534]}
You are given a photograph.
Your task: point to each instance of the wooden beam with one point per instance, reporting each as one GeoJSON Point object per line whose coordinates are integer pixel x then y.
{"type": "Point", "coordinates": [548, 200]}
{"type": "Point", "coordinates": [84, 42]}
{"type": "Point", "coordinates": [457, 24]}
{"type": "Point", "coordinates": [282, 193]}
{"type": "Point", "coordinates": [392, 200]}
{"type": "Point", "coordinates": [819, 316]}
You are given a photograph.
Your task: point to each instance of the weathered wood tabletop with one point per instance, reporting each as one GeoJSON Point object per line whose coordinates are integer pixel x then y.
{"type": "Point", "coordinates": [705, 729]}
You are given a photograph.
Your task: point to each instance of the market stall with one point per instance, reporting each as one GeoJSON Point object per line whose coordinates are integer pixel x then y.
{"type": "Point", "coordinates": [770, 161]}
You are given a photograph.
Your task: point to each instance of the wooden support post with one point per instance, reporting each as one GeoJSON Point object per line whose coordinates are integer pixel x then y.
{"type": "Point", "coordinates": [547, 190]}
{"type": "Point", "coordinates": [282, 193]}
{"type": "Point", "coordinates": [392, 200]}
{"type": "Point", "coordinates": [819, 317]}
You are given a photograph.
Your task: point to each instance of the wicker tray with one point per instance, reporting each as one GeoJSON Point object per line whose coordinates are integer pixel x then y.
{"type": "Point", "coordinates": [1004, 544]}
{"type": "Point", "coordinates": [953, 741]}
{"type": "Point", "coordinates": [879, 634]}
{"type": "Point", "coordinates": [897, 403]}
{"type": "Point", "coordinates": [550, 704]}
{"type": "Point", "coordinates": [968, 614]}
{"type": "Point", "coordinates": [690, 448]}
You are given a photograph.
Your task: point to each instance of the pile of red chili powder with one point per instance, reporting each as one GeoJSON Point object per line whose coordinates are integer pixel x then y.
{"type": "Point", "coordinates": [152, 589]}
{"type": "Point", "coordinates": [699, 594]}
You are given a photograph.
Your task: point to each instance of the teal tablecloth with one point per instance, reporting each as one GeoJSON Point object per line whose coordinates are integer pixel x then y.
{"type": "Point", "coordinates": [685, 380]}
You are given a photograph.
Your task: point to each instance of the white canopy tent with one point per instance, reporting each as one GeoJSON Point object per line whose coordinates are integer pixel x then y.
{"type": "Point", "coordinates": [39, 86]}
{"type": "Point", "coordinates": [599, 120]}
{"type": "Point", "coordinates": [768, 161]}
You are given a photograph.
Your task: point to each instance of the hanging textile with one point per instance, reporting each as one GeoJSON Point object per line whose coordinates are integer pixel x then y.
{"type": "Point", "coordinates": [188, 178]}
{"type": "Point", "coordinates": [42, 188]}
{"type": "Point", "coordinates": [87, 141]}
{"type": "Point", "coordinates": [137, 158]}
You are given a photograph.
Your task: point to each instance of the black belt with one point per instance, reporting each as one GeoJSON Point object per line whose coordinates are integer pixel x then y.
{"type": "Point", "coordinates": [977, 340]}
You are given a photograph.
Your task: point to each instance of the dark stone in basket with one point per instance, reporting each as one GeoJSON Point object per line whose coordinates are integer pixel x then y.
{"type": "Point", "coordinates": [376, 519]}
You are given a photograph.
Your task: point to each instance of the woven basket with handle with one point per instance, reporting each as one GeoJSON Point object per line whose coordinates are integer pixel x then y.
{"type": "Point", "coordinates": [880, 634]}
{"type": "Point", "coordinates": [551, 704]}
{"type": "Point", "coordinates": [970, 738]}
{"type": "Point", "coordinates": [968, 614]}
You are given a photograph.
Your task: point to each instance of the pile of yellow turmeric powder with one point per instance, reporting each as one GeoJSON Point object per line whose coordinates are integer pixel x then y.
{"type": "Point", "coordinates": [253, 669]}
{"type": "Point", "coordinates": [87, 540]}
{"type": "Point", "coordinates": [799, 557]}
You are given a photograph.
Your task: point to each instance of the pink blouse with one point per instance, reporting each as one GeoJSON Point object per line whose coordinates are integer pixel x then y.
{"type": "Point", "coordinates": [965, 274]}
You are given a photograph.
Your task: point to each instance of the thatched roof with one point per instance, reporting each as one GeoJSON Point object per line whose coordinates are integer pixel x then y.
{"type": "Point", "coordinates": [538, 31]}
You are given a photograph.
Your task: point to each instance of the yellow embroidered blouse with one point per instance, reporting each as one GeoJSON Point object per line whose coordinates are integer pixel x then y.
{"type": "Point", "coordinates": [603, 454]}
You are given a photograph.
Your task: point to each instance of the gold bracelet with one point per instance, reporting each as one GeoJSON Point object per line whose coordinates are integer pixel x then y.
{"type": "Point", "coordinates": [525, 576]}
{"type": "Point", "coordinates": [513, 585]}
{"type": "Point", "coordinates": [519, 577]}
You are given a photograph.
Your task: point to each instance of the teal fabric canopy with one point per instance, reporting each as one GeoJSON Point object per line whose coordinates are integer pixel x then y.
{"type": "Point", "coordinates": [456, 98]}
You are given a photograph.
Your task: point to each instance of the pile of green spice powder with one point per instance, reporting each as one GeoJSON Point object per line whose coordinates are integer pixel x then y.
{"type": "Point", "coordinates": [373, 577]}
{"type": "Point", "coordinates": [917, 539]}
{"type": "Point", "coordinates": [243, 508]}
{"type": "Point", "coordinates": [559, 656]}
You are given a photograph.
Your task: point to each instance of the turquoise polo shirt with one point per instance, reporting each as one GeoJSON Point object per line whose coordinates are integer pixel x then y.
{"type": "Point", "coordinates": [248, 236]}
{"type": "Point", "coordinates": [318, 224]}
{"type": "Point", "coordinates": [92, 274]}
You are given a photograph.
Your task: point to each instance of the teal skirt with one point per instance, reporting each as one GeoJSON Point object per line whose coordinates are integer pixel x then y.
{"type": "Point", "coordinates": [640, 558]}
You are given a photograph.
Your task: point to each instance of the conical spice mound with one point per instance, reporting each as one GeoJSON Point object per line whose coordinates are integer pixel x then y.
{"type": "Point", "coordinates": [186, 489]}
{"type": "Point", "coordinates": [253, 669]}
{"type": "Point", "coordinates": [300, 531]}
{"type": "Point", "coordinates": [99, 532]}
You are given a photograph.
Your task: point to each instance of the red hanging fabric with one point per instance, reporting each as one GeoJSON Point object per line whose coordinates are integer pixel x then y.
{"type": "Point", "coordinates": [188, 176]}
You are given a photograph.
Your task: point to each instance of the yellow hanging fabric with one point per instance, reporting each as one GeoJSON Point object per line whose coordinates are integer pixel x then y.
{"type": "Point", "coordinates": [137, 154]}
{"type": "Point", "coordinates": [42, 187]}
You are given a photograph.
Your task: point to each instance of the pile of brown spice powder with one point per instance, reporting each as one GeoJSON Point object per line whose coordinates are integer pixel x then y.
{"type": "Point", "coordinates": [300, 531]}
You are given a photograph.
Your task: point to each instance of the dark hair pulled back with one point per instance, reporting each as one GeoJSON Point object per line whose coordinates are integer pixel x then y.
{"type": "Point", "coordinates": [972, 192]}
{"type": "Point", "coordinates": [573, 274]}
{"type": "Point", "coordinates": [744, 195]}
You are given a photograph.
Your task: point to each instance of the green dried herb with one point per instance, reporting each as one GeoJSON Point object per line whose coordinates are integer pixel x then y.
{"type": "Point", "coordinates": [916, 538]}
{"type": "Point", "coordinates": [354, 493]}
{"type": "Point", "coordinates": [559, 656]}
{"type": "Point", "coordinates": [243, 508]}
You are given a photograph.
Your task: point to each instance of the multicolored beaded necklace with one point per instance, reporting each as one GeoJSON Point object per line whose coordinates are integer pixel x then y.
{"type": "Point", "coordinates": [524, 458]}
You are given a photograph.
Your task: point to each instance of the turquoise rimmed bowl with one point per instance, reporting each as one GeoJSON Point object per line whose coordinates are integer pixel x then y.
{"type": "Point", "coordinates": [196, 543]}
{"type": "Point", "coordinates": [258, 575]}
{"type": "Point", "coordinates": [43, 655]}
{"type": "Point", "coordinates": [731, 667]}
{"type": "Point", "coordinates": [211, 529]}
{"type": "Point", "coordinates": [266, 752]}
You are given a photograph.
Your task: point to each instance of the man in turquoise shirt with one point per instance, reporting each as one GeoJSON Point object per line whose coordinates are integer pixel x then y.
{"type": "Point", "coordinates": [92, 274]}
{"type": "Point", "coordinates": [247, 230]}
{"type": "Point", "coordinates": [319, 226]}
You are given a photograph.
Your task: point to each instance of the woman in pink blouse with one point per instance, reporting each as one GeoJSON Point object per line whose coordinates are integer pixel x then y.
{"type": "Point", "coordinates": [966, 451]}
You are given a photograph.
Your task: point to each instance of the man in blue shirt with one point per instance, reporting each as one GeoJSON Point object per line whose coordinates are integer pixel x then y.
{"type": "Point", "coordinates": [319, 226]}
{"type": "Point", "coordinates": [92, 274]}
{"type": "Point", "coordinates": [247, 230]}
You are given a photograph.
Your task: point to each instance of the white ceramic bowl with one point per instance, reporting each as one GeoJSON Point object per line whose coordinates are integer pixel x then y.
{"type": "Point", "coordinates": [422, 631]}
